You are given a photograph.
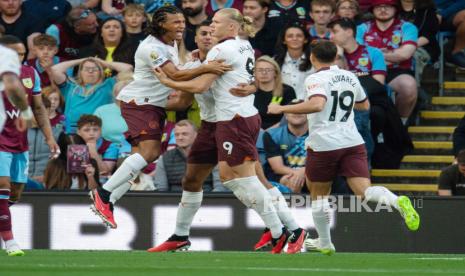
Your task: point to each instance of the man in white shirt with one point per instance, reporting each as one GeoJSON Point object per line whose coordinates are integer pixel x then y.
{"type": "Point", "coordinates": [334, 146]}
{"type": "Point", "coordinates": [238, 121]}
{"type": "Point", "coordinates": [143, 103]}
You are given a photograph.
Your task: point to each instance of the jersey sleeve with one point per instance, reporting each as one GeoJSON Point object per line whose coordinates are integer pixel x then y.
{"type": "Point", "coordinates": [271, 148]}
{"type": "Point", "coordinates": [10, 62]}
{"type": "Point", "coordinates": [377, 61]}
{"type": "Point", "coordinates": [156, 56]}
{"type": "Point", "coordinates": [315, 87]}
{"type": "Point", "coordinates": [36, 90]}
{"type": "Point", "coordinates": [361, 30]}
{"type": "Point", "coordinates": [409, 34]}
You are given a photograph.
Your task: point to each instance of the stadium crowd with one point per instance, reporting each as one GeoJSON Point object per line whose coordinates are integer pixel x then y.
{"type": "Point", "coordinates": [81, 53]}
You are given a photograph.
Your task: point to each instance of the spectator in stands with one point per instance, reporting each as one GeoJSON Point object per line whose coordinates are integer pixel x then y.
{"type": "Point", "coordinates": [397, 40]}
{"type": "Point", "coordinates": [56, 176]}
{"type": "Point", "coordinates": [112, 8]}
{"type": "Point", "coordinates": [134, 18]}
{"type": "Point", "coordinates": [90, 90]}
{"type": "Point", "coordinates": [285, 151]}
{"type": "Point", "coordinates": [368, 64]}
{"type": "Point", "coordinates": [292, 54]}
{"type": "Point", "coordinates": [39, 153]}
{"type": "Point", "coordinates": [422, 13]}
{"type": "Point", "coordinates": [348, 9]}
{"type": "Point", "coordinates": [111, 44]}
{"type": "Point", "coordinates": [265, 38]}
{"type": "Point", "coordinates": [113, 124]}
{"type": "Point", "coordinates": [19, 22]}
{"type": "Point", "coordinates": [75, 32]}
{"type": "Point", "coordinates": [50, 11]}
{"type": "Point", "coordinates": [89, 4]}
{"type": "Point", "coordinates": [44, 47]}
{"type": "Point", "coordinates": [104, 152]}
{"type": "Point", "coordinates": [459, 137]}
{"type": "Point", "coordinates": [452, 178]}
{"type": "Point", "coordinates": [322, 12]}
{"type": "Point", "coordinates": [194, 11]}
{"type": "Point", "coordinates": [171, 166]}
{"type": "Point", "coordinates": [452, 17]}
{"type": "Point", "coordinates": [151, 5]}
{"type": "Point", "coordinates": [270, 89]}
{"type": "Point", "coordinates": [215, 5]}
{"type": "Point", "coordinates": [284, 12]}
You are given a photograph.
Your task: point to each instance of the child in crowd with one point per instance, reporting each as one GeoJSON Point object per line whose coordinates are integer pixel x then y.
{"type": "Point", "coordinates": [39, 153]}
{"type": "Point", "coordinates": [103, 151]}
{"type": "Point", "coordinates": [134, 17]}
{"type": "Point", "coordinates": [45, 48]}
{"type": "Point", "coordinates": [322, 12]}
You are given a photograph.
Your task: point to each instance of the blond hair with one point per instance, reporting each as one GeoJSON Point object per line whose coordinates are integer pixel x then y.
{"type": "Point", "coordinates": [245, 22]}
{"type": "Point", "coordinates": [81, 82]}
{"type": "Point", "coordinates": [278, 90]}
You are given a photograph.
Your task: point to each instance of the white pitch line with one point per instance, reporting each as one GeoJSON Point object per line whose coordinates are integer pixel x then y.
{"type": "Point", "coordinates": [439, 258]}
{"type": "Point", "coordinates": [253, 268]}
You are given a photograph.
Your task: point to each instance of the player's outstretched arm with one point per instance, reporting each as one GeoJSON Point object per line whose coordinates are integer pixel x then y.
{"type": "Point", "coordinates": [363, 106]}
{"type": "Point", "coordinates": [15, 92]}
{"type": "Point", "coordinates": [197, 85]}
{"type": "Point", "coordinates": [41, 116]}
{"type": "Point", "coordinates": [216, 67]}
{"type": "Point", "coordinates": [313, 105]}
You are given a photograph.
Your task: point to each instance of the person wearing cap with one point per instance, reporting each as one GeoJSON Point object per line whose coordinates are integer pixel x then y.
{"type": "Point", "coordinates": [452, 178]}
{"type": "Point", "coordinates": [397, 39]}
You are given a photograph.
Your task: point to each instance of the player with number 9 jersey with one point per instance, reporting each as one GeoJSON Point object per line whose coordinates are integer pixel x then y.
{"type": "Point", "coordinates": [334, 127]}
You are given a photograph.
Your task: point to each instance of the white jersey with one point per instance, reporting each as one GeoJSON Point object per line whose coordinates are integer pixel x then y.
{"type": "Point", "coordinates": [146, 88]}
{"type": "Point", "coordinates": [240, 54]}
{"type": "Point", "coordinates": [334, 127]}
{"type": "Point", "coordinates": [10, 64]}
{"type": "Point", "coordinates": [205, 100]}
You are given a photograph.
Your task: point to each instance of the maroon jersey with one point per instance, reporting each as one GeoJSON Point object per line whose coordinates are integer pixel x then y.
{"type": "Point", "coordinates": [11, 139]}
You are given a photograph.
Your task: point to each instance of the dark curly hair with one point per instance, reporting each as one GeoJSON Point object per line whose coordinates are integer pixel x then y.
{"type": "Point", "coordinates": [159, 17]}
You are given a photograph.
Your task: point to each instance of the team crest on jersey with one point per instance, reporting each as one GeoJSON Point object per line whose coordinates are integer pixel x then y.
{"type": "Point", "coordinates": [369, 38]}
{"type": "Point", "coordinates": [363, 61]}
{"type": "Point", "coordinates": [396, 39]}
{"type": "Point", "coordinates": [153, 55]}
{"type": "Point", "coordinates": [27, 82]}
{"type": "Point", "coordinates": [300, 11]}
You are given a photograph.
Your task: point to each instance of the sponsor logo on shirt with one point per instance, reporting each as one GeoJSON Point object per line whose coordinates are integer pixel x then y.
{"type": "Point", "coordinates": [274, 13]}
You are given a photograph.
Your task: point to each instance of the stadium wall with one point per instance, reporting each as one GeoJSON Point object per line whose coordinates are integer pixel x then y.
{"type": "Point", "coordinates": [48, 220]}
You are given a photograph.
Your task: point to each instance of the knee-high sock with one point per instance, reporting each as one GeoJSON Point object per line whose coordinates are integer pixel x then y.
{"type": "Point", "coordinates": [320, 213]}
{"type": "Point", "coordinates": [188, 207]}
{"type": "Point", "coordinates": [119, 192]}
{"type": "Point", "coordinates": [381, 194]}
{"type": "Point", "coordinates": [5, 216]}
{"type": "Point", "coordinates": [251, 192]}
{"type": "Point", "coordinates": [129, 169]}
{"type": "Point", "coordinates": [282, 209]}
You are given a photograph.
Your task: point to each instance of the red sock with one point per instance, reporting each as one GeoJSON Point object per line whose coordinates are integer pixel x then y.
{"type": "Point", "coordinates": [5, 216]}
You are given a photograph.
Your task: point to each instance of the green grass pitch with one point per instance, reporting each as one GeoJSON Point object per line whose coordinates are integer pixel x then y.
{"type": "Point", "coordinates": [116, 263]}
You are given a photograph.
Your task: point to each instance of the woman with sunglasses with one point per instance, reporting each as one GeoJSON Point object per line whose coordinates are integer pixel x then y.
{"type": "Point", "coordinates": [89, 90]}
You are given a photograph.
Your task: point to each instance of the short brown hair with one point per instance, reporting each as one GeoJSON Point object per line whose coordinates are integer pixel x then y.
{"type": "Point", "coordinates": [44, 40]}
{"type": "Point", "coordinates": [262, 3]}
{"type": "Point", "coordinates": [324, 51]}
{"type": "Point", "coordinates": [134, 8]}
{"type": "Point", "coordinates": [88, 119]}
{"type": "Point", "coordinates": [326, 3]}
